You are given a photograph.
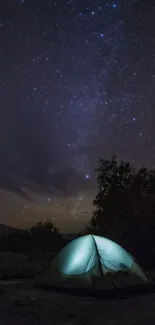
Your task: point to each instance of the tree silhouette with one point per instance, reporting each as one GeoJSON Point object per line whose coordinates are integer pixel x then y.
{"type": "Point", "coordinates": [46, 227]}
{"type": "Point", "coordinates": [125, 205]}
{"type": "Point", "coordinates": [43, 236]}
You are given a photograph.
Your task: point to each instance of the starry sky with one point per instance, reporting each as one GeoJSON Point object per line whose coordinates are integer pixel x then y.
{"type": "Point", "coordinates": [77, 81]}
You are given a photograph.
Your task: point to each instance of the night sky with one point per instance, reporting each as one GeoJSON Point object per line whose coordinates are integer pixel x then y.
{"type": "Point", "coordinates": [77, 82]}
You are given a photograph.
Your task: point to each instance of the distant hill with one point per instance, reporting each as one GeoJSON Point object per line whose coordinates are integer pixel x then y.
{"type": "Point", "coordinates": [6, 229]}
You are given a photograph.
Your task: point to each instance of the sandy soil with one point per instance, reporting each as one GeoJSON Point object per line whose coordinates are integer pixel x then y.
{"type": "Point", "coordinates": [23, 304]}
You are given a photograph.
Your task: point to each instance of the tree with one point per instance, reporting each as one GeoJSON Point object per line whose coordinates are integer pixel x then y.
{"type": "Point", "coordinates": [46, 236]}
{"type": "Point", "coordinates": [43, 236]}
{"type": "Point", "coordinates": [125, 205]}
{"type": "Point", "coordinates": [46, 227]}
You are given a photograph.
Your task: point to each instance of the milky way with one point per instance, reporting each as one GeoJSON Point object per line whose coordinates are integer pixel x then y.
{"type": "Point", "coordinates": [77, 82]}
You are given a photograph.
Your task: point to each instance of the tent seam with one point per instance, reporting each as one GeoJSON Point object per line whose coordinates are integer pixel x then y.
{"type": "Point", "coordinates": [98, 255]}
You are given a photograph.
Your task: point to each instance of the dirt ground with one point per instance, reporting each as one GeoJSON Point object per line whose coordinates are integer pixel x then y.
{"type": "Point", "coordinates": [22, 304]}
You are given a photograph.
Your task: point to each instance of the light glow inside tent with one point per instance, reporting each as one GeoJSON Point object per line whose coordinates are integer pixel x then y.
{"type": "Point", "coordinates": [83, 253]}
{"type": "Point", "coordinates": [112, 255]}
{"type": "Point", "coordinates": [80, 256]}
{"type": "Point", "coordinates": [94, 261]}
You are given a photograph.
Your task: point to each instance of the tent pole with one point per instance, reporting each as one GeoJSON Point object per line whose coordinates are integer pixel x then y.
{"type": "Point", "coordinates": [100, 267]}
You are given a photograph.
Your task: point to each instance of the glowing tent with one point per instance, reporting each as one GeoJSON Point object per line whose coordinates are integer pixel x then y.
{"type": "Point", "coordinates": [93, 262]}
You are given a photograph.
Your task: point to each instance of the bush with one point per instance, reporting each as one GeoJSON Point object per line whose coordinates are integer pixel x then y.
{"type": "Point", "coordinates": [16, 266]}
{"type": "Point", "coordinates": [43, 237]}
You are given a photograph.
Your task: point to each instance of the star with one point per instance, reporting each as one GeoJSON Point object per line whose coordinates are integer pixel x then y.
{"type": "Point", "coordinates": [87, 176]}
{"type": "Point", "coordinates": [77, 84]}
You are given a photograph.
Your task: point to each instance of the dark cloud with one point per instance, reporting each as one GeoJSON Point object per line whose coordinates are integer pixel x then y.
{"type": "Point", "coordinates": [76, 83]}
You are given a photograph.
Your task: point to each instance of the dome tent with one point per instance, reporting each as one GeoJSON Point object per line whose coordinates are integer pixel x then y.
{"type": "Point", "coordinates": [93, 262]}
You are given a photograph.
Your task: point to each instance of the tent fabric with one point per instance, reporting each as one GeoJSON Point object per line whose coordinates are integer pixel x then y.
{"type": "Point", "coordinates": [94, 262]}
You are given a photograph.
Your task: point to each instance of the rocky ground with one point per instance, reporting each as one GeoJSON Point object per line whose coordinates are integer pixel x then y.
{"type": "Point", "coordinates": [21, 304]}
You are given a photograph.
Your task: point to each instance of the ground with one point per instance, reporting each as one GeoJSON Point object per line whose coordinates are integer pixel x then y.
{"type": "Point", "coordinates": [22, 304]}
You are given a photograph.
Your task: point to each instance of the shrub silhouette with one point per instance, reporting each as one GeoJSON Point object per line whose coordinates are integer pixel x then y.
{"type": "Point", "coordinates": [44, 236]}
